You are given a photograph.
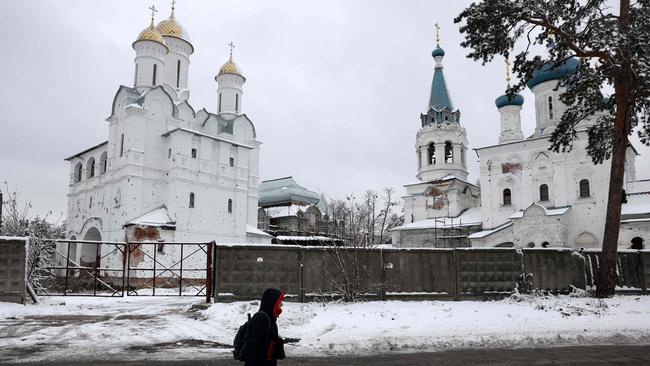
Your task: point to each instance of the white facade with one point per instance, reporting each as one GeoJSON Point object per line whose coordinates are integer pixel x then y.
{"type": "Point", "coordinates": [529, 196]}
{"type": "Point", "coordinates": [190, 175]}
{"type": "Point", "coordinates": [534, 197]}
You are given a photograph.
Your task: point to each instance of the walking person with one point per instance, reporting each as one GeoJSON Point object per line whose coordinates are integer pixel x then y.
{"type": "Point", "coordinates": [263, 345]}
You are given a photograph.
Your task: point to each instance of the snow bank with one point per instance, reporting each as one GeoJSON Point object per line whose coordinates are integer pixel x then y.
{"type": "Point", "coordinates": [106, 328]}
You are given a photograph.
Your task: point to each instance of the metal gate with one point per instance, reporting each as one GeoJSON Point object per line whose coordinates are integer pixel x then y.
{"type": "Point", "coordinates": [107, 269]}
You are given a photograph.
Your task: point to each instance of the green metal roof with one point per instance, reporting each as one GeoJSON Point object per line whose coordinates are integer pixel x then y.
{"type": "Point", "coordinates": [285, 191]}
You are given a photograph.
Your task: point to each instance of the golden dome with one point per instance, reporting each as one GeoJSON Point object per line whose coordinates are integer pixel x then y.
{"type": "Point", "coordinates": [230, 68]}
{"type": "Point", "coordinates": [172, 28]}
{"type": "Point", "coordinates": [151, 34]}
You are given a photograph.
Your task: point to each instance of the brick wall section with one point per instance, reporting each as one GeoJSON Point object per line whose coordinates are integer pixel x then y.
{"type": "Point", "coordinates": [13, 252]}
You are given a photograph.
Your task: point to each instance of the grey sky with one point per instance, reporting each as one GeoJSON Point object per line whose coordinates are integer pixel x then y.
{"type": "Point", "coordinates": [335, 88]}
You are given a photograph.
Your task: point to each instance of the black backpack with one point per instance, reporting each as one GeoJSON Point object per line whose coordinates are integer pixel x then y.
{"type": "Point", "coordinates": [242, 335]}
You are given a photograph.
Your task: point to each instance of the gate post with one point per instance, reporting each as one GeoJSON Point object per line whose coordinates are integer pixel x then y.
{"type": "Point", "coordinates": [215, 270]}
{"type": "Point", "coordinates": [208, 274]}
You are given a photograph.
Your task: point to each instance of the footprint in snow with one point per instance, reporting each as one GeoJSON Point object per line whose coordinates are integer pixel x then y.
{"type": "Point", "coordinates": [328, 329]}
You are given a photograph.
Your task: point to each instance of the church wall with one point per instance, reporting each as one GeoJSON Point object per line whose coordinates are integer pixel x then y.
{"type": "Point", "coordinates": [562, 172]}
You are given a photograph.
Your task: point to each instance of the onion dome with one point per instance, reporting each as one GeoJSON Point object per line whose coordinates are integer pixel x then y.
{"type": "Point", "coordinates": [230, 68]}
{"type": "Point", "coordinates": [172, 28]}
{"type": "Point", "coordinates": [551, 71]}
{"type": "Point", "coordinates": [504, 100]}
{"type": "Point", "coordinates": [438, 52]}
{"type": "Point", "coordinates": [151, 33]}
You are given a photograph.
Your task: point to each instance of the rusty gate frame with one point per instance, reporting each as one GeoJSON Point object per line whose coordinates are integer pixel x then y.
{"type": "Point", "coordinates": [206, 247]}
{"type": "Point", "coordinates": [126, 249]}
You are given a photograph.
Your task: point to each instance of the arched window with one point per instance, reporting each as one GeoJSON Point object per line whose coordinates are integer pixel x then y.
{"type": "Point", "coordinates": [229, 205]}
{"type": "Point", "coordinates": [449, 153]}
{"type": "Point", "coordinates": [191, 200]}
{"type": "Point", "coordinates": [77, 172]}
{"type": "Point", "coordinates": [236, 103]}
{"type": "Point", "coordinates": [90, 168]}
{"type": "Point", "coordinates": [543, 192]}
{"type": "Point", "coordinates": [155, 68]}
{"type": "Point", "coordinates": [507, 197]}
{"type": "Point", "coordinates": [462, 155]}
{"type": "Point", "coordinates": [90, 203]}
{"type": "Point", "coordinates": [584, 188]}
{"type": "Point", "coordinates": [122, 145]}
{"type": "Point", "coordinates": [103, 162]}
{"type": "Point", "coordinates": [550, 107]}
{"type": "Point", "coordinates": [178, 74]}
{"type": "Point", "coordinates": [637, 243]}
{"type": "Point", "coordinates": [431, 154]}
{"type": "Point", "coordinates": [219, 106]}
{"type": "Point", "coordinates": [135, 78]}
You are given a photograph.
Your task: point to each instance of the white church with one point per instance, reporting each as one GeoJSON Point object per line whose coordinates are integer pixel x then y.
{"type": "Point", "coordinates": [168, 171]}
{"type": "Point", "coordinates": [527, 196]}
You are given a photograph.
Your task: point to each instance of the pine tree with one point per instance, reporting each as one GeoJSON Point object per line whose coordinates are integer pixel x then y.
{"type": "Point", "coordinates": [613, 47]}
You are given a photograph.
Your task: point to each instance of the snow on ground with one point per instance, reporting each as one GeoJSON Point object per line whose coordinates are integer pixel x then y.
{"type": "Point", "coordinates": [170, 327]}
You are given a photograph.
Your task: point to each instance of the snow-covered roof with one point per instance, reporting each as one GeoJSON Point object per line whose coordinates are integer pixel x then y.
{"type": "Point", "coordinates": [85, 151]}
{"type": "Point", "coordinates": [549, 211]}
{"type": "Point", "coordinates": [285, 191]}
{"type": "Point", "coordinates": [157, 217]}
{"type": "Point", "coordinates": [484, 233]}
{"type": "Point", "coordinates": [469, 217]}
{"type": "Point", "coordinates": [637, 204]}
{"type": "Point", "coordinates": [637, 186]}
{"type": "Point", "coordinates": [283, 211]}
{"type": "Point", "coordinates": [305, 238]}
{"type": "Point", "coordinates": [255, 231]}
{"type": "Point", "coordinates": [197, 133]}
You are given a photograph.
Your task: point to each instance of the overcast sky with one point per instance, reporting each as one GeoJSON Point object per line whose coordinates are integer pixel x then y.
{"type": "Point", "coordinates": [335, 88]}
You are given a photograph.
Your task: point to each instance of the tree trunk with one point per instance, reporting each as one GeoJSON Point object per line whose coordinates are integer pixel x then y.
{"type": "Point", "coordinates": [606, 284]}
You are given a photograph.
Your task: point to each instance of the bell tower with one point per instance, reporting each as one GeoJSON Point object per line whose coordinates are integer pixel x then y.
{"type": "Point", "coordinates": [441, 142]}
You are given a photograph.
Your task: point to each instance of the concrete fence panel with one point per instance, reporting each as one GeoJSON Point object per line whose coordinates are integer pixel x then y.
{"type": "Point", "coordinates": [487, 273]}
{"type": "Point", "coordinates": [555, 269]}
{"type": "Point", "coordinates": [244, 272]}
{"type": "Point", "coordinates": [419, 274]}
{"type": "Point", "coordinates": [325, 269]}
{"type": "Point", "coordinates": [629, 266]}
{"type": "Point", "coordinates": [13, 260]}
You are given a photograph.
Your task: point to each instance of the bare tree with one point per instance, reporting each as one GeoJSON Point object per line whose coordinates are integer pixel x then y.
{"type": "Point", "coordinates": [17, 221]}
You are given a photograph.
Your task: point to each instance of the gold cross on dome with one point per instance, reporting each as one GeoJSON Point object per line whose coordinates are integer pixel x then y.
{"type": "Point", "coordinates": [507, 71]}
{"type": "Point", "coordinates": [437, 32]}
{"type": "Point", "coordinates": [153, 11]}
{"type": "Point", "coordinates": [232, 45]}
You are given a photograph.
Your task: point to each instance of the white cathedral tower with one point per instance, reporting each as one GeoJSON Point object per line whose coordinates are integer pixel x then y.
{"type": "Point", "coordinates": [442, 196]}
{"type": "Point", "coordinates": [168, 172]}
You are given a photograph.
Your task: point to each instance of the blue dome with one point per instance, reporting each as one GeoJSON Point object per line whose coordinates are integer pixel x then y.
{"type": "Point", "coordinates": [551, 72]}
{"type": "Point", "coordinates": [503, 100]}
{"type": "Point", "coordinates": [438, 52]}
